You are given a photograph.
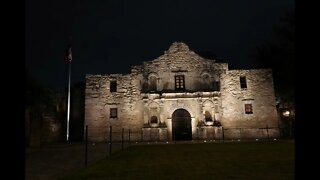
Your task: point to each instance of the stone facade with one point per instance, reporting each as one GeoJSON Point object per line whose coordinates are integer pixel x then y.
{"type": "Point", "coordinates": [182, 96]}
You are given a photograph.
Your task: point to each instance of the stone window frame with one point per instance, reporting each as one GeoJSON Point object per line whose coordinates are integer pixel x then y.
{"type": "Point", "coordinates": [179, 82]}
{"type": "Point", "coordinates": [243, 82]}
{"type": "Point", "coordinates": [248, 108]}
{"type": "Point", "coordinates": [113, 113]}
{"type": "Point", "coordinates": [113, 86]}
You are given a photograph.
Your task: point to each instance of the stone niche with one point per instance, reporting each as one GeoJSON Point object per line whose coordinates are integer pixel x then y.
{"type": "Point", "coordinates": [209, 133]}
{"type": "Point", "coordinates": [154, 134]}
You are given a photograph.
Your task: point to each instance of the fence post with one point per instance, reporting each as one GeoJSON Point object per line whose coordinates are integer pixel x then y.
{"type": "Point", "coordinates": [129, 137]}
{"type": "Point", "coordinates": [110, 140]}
{"type": "Point", "coordinates": [222, 134]}
{"type": "Point", "coordinates": [86, 148]}
{"type": "Point", "coordinates": [268, 133]}
{"type": "Point", "coordinates": [150, 139]}
{"type": "Point", "coordinates": [213, 133]}
{"type": "Point", "coordinates": [198, 138]}
{"type": "Point", "coordinates": [122, 138]}
{"type": "Point", "coordinates": [141, 135]}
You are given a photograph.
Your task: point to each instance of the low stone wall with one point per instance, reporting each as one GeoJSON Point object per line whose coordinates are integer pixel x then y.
{"type": "Point", "coordinates": [257, 133]}
{"type": "Point", "coordinates": [208, 133]}
{"type": "Point", "coordinates": [154, 134]}
{"type": "Point", "coordinates": [202, 133]}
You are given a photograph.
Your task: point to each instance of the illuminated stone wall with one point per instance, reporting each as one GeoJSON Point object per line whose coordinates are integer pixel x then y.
{"type": "Point", "coordinates": [146, 98]}
{"type": "Point", "coordinates": [99, 100]}
{"type": "Point", "coordinates": [259, 93]}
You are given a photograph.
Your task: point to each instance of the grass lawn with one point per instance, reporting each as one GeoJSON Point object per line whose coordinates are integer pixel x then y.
{"type": "Point", "coordinates": [232, 160]}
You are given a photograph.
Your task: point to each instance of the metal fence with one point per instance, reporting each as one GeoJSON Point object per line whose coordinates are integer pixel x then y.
{"type": "Point", "coordinates": [129, 136]}
{"type": "Point", "coordinates": [119, 140]}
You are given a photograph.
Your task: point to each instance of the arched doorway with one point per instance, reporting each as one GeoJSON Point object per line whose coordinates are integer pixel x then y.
{"type": "Point", "coordinates": [181, 125]}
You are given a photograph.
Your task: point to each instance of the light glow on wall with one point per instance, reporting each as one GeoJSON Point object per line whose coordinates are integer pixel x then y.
{"type": "Point", "coordinates": [286, 113]}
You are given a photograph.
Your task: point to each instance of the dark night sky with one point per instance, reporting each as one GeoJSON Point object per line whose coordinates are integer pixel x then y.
{"type": "Point", "coordinates": [109, 36]}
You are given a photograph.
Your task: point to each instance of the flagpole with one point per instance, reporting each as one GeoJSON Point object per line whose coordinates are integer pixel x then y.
{"type": "Point", "coordinates": [68, 58]}
{"type": "Point", "coordinates": [68, 115]}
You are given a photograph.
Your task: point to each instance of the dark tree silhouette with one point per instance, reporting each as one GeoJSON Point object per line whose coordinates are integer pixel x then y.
{"type": "Point", "coordinates": [41, 102]}
{"type": "Point", "coordinates": [38, 96]}
{"type": "Point", "coordinates": [278, 54]}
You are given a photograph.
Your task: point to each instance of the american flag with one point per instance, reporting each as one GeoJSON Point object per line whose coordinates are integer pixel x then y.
{"type": "Point", "coordinates": [68, 55]}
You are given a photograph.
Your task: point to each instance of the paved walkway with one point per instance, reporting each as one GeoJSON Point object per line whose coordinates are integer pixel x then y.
{"type": "Point", "coordinates": [54, 161]}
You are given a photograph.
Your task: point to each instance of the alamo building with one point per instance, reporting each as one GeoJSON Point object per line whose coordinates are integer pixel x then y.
{"type": "Point", "coordinates": [181, 96]}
